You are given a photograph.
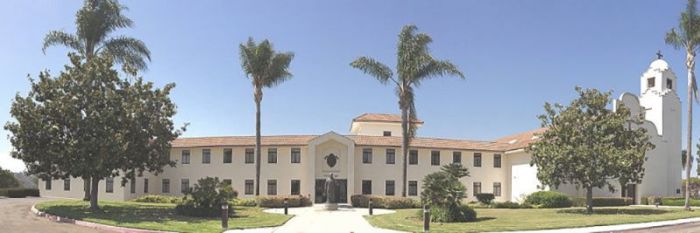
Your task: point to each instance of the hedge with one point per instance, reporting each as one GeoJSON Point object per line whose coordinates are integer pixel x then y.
{"type": "Point", "coordinates": [678, 201]}
{"type": "Point", "coordinates": [243, 202]}
{"type": "Point", "coordinates": [485, 198]}
{"type": "Point", "coordinates": [278, 201]}
{"type": "Point", "coordinates": [548, 199]}
{"type": "Point", "coordinates": [604, 201]}
{"type": "Point", "coordinates": [510, 205]}
{"type": "Point", "coordinates": [386, 202]}
{"type": "Point", "coordinates": [443, 214]}
{"type": "Point", "coordinates": [19, 192]}
{"type": "Point", "coordinates": [158, 199]}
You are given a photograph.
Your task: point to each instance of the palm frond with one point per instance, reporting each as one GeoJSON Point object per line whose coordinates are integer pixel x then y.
{"type": "Point", "coordinates": [278, 69]}
{"type": "Point", "coordinates": [263, 65]}
{"type": "Point", "coordinates": [128, 51]}
{"type": "Point", "coordinates": [62, 38]}
{"type": "Point", "coordinates": [672, 38]}
{"type": "Point", "coordinates": [374, 68]}
{"type": "Point", "coordinates": [435, 68]}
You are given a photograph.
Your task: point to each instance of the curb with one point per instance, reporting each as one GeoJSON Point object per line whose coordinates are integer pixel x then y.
{"type": "Point", "coordinates": [92, 225]}
{"type": "Point", "coordinates": [618, 227]}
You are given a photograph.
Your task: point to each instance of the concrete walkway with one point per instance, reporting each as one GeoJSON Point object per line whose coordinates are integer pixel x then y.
{"type": "Point", "coordinates": [624, 227]}
{"type": "Point", "coordinates": [313, 219]}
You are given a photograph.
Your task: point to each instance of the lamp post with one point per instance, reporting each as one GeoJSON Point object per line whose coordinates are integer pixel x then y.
{"type": "Point", "coordinates": [426, 218]}
{"type": "Point", "coordinates": [286, 205]}
{"type": "Point", "coordinates": [370, 207]}
{"type": "Point", "coordinates": [224, 216]}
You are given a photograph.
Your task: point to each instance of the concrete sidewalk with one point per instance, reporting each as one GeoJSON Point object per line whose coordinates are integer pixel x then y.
{"type": "Point", "coordinates": [615, 228]}
{"type": "Point", "coordinates": [314, 219]}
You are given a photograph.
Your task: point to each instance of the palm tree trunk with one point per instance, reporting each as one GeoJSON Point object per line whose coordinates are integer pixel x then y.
{"type": "Point", "coordinates": [258, 99]}
{"type": "Point", "coordinates": [404, 147]}
{"type": "Point", "coordinates": [689, 137]}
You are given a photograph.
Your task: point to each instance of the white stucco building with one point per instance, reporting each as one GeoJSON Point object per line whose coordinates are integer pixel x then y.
{"type": "Point", "coordinates": [368, 158]}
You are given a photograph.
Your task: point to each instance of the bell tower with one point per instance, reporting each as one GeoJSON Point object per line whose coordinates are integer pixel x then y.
{"type": "Point", "coordinates": [659, 98]}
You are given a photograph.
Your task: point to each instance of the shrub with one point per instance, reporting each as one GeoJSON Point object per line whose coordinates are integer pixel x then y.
{"type": "Point", "coordinates": [485, 198]}
{"type": "Point", "coordinates": [243, 202]}
{"type": "Point", "coordinates": [510, 205]}
{"type": "Point", "coordinates": [604, 201]}
{"type": "Point", "coordinates": [679, 201]}
{"type": "Point", "coordinates": [460, 213]}
{"type": "Point", "coordinates": [19, 192]}
{"type": "Point", "coordinates": [207, 197]}
{"type": "Point", "coordinates": [278, 201]}
{"type": "Point", "coordinates": [157, 199]}
{"type": "Point", "coordinates": [387, 202]}
{"type": "Point", "coordinates": [548, 199]}
{"type": "Point", "coordinates": [7, 179]}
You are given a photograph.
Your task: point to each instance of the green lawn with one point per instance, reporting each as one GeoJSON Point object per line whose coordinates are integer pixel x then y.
{"type": "Point", "coordinates": [158, 216]}
{"type": "Point", "coordinates": [531, 219]}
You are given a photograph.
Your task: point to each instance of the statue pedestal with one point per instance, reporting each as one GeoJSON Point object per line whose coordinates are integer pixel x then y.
{"type": "Point", "coordinates": [330, 206]}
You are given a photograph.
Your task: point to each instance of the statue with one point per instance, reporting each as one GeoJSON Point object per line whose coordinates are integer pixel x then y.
{"type": "Point", "coordinates": [331, 193]}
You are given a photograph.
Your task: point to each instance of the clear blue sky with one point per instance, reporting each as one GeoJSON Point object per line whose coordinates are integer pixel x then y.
{"type": "Point", "coordinates": [516, 55]}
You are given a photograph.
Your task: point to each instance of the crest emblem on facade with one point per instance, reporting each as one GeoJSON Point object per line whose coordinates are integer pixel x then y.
{"type": "Point", "coordinates": [331, 159]}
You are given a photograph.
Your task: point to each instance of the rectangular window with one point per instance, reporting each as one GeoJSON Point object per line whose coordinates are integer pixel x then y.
{"type": "Point", "coordinates": [271, 187]}
{"type": "Point", "coordinates": [296, 187]}
{"type": "Point", "coordinates": [650, 82]}
{"type": "Point", "coordinates": [497, 160]}
{"type": "Point", "coordinates": [272, 155]}
{"type": "Point", "coordinates": [66, 184]}
{"type": "Point", "coordinates": [132, 185]}
{"type": "Point", "coordinates": [387, 133]}
{"type": "Point", "coordinates": [669, 84]}
{"type": "Point", "coordinates": [389, 188]}
{"type": "Point", "coordinates": [227, 182]}
{"type": "Point", "coordinates": [249, 187]}
{"type": "Point", "coordinates": [109, 185]}
{"type": "Point", "coordinates": [48, 184]}
{"type": "Point", "coordinates": [367, 187]}
{"type": "Point", "coordinates": [413, 188]}
{"type": "Point", "coordinates": [390, 156]}
{"type": "Point", "coordinates": [249, 155]}
{"type": "Point", "coordinates": [228, 155]}
{"type": "Point", "coordinates": [145, 185]}
{"type": "Point", "coordinates": [497, 189]}
{"type": "Point", "coordinates": [477, 188]}
{"type": "Point", "coordinates": [185, 157]}
{"type": "Point", "coordinates": [413, 157]}
{"type": "Point", "coordinates": [456, 157]}
{"type": "Point", "coordinates": [296, 155]}
{"type": "Point", "coordinates": [367, 155]}
{"type": "Point", "coordinates": [477, 159]}
{"type": "Point", "coordinates": [184, 185]}
{"type": "Point", "coordinates": [166, 186]}
{"type": "Point", "coordinates": [435, 158]}
{"type": "Point", "coordinates": [206, 156]}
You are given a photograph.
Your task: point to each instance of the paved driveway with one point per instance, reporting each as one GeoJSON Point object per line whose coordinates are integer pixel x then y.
{"type": "Point", "coordinates": [680, 228]}
{"type": "Point", "coordinates": [16, 217]}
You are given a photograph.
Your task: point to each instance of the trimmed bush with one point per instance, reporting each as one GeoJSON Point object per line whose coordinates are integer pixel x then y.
{"type": "Point", "coordinates": [386, 202]}
{"type": "Point", "coordinates": [548, 199]}
{"type": "Point", "coordinates": [278, 201]}
{"type": "Point", "coordinates": [243, 202]}
{"type": "Point", "coordinates": [510, 205]}
{"type": "Point", "coordinates": [604, 201]}
{"type": "Point", "coordinates": [158, 199]}
{"type": "Point", "coordinates": [206, 198]}
{"type": "Point", "coordinates": [485, 198]}
{"type": "Point", "coordinates": [461, 213]}
{"type": "Point", "coordinates": [678, 201]}
{"type": "Point", "coordinates": [19, 192]}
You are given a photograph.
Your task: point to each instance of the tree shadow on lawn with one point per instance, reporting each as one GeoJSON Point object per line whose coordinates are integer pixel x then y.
{"type": "Point", "coordinates": [615, 211]}
{"type": "Point", "coordinates": [127, 214]}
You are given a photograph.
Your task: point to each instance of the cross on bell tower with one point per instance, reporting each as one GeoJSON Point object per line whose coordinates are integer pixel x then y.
{"type": "Point", "coordinates": [659, 55]}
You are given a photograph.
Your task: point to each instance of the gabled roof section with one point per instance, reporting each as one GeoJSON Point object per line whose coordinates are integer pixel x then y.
{"type": "Point", "coordinates": [381, 117]}
{"type": "Point", "coordinates": [521, 140]}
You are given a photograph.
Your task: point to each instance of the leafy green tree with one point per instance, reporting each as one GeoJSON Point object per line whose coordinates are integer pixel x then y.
{"type": "Point", "coordinates": [87, 122]}
{"type": "Point", "coordinates": [588, 145]}
{"type": "Point", "coordinates": [7, 179]}
{"type": "Point", "coordinates": [266, 68]}
{"type": "Point", "coordinates": [415, 64]}
{"type": "Point", "coordinates": [443, 188]}
{"type": "Point", "coordinates": [694, 186]}
{"type": "Point", "coordinates": [95, 21]}
{"type": "Point", "coordinates": [687, 36]}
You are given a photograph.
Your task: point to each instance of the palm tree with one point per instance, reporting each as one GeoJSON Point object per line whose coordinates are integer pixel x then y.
{"type": "Point", "coordinates": [687, 37]}
{"type": "Point", "coordinates": [265, 68]}
{"type": "Point", "coordinates": [94, 22]}
{"type": "Point", "coordinates": [415, 64]}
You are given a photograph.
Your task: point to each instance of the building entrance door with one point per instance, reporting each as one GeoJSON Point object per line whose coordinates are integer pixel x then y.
{"type": "Point", "coordinates": [342, 190]}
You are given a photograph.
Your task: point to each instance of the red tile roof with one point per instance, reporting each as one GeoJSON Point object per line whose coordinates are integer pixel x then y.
{"type": "Point", "coordinates": [521, 140]}
{"type": "Point", "coordinates": [381, 117]}
{"type": "Point", "coordinates": [283, 140]}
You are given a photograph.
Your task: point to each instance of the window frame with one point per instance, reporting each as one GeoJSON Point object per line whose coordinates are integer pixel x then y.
{"type": "Point", "coordinates": [366, 187]}
{"type": "Point", "coordinates": [497, 160]}
{"type": "Point", "coordinates": [48, 184]}
{"type": "Point", "coordinates": [206, 156]}
{"type": "Point", "coordinates": [109, 185]}
{"type": "Point", "coordinates": [66, 184]}
{"type": "Point", "coordinates": [184, 185]}
{"type": "Point", "coordinates": [457, 157]}
{"type": "Point", "coordinates": [651, 82]}
{"type": "Point", "coordinates": [412, 188]}
{"type": "Point", "coordinates": [295, 155]}
{"type": "Point", "coordinates": [185, 156]}
{"type": "Point", "coordinates": [272, 187]}
{"type": "Point", "coordinates": [165, 186]}
{"type": "Point", "coordinates": [386, 133]}
{"type": "Point", "coordinates": [145, 185]}
{"type": "Point", "coordinates": [390, 159]}
{"type": "Point", "coordinates": [249, 187]}
{"type": "Point", "coordinates": [249, 156]}
{"type": "Point", "coordinates": [228, 155]}
{"type": "Point", "coordinates": [367, 155]}
{"type": "Point", "coordinates": [132, 185]}
{"type": "Point", "coordinates": [476, 187]}
{"type": "Point", "coordinates": [413, 158]}
{"type": "Point", "coordinates": [392, 184]}
{"type": "Point", "coordinates": [435, 158]}
{"type": "Point", "coordinates": [272, 155]}
{"type": "Point", "coordinates": [497, 189]}
{"type": "Point", "coordinates": [292, 187]}
{"type": "Point", "coordinates": [477, 159]}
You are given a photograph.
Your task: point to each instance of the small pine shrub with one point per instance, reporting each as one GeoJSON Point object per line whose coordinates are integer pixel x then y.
{"type": "Point", "coordinates": [548, 199]}
{"type": "Point", "coordinates": [460, 213]}
{"type": "Point", "coordinates": [485, 198]}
